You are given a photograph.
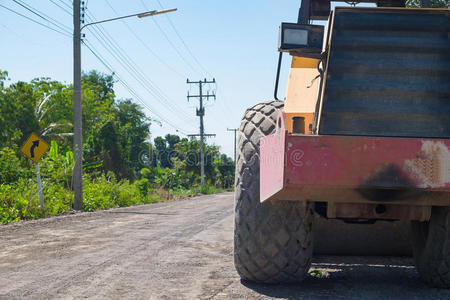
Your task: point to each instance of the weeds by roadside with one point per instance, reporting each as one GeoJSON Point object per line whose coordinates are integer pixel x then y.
{"type": "Point", "coordinates": [19, 201]}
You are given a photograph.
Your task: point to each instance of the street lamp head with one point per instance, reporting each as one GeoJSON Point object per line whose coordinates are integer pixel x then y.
{"type": "Point", "coordinates": [140, 15]}
{"type": "Point", "coordinates": [156, 12]}
{"type": "Point", "coordinates": [147, 14]}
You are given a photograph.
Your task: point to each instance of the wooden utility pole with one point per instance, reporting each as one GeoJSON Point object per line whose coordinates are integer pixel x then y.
{"type": "Point", "coordinates": [201, 114]}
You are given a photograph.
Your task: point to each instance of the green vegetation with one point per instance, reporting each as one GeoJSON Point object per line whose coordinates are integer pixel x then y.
{"type": "Point", "coordinates": [122, 167]}
{"type": "Point", "coordinates": [433, 3]}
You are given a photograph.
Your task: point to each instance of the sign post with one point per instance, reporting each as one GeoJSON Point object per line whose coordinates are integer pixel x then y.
{"type": "Point", "coordinates": [34, 148]}
{"type": "Point", "coordinates": [39, 183]}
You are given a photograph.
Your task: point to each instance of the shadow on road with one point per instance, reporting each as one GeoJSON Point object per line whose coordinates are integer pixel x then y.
{"type": "Point", "coordinates": [356, 278]}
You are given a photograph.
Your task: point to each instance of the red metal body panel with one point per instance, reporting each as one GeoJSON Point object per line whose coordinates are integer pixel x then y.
{"type": "Point", "coordinates": [307, 167]}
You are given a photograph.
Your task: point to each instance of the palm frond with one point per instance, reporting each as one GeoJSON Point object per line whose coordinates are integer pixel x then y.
{"type": "Point", "coordinates": [41, 104]}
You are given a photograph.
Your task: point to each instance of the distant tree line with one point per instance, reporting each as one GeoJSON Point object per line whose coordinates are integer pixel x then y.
{"type": "Point", "coordinates": [116, 134]}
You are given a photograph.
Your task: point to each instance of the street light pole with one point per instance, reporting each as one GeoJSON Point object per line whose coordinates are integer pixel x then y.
{"type": "Point", "coordinates": [77, 111]}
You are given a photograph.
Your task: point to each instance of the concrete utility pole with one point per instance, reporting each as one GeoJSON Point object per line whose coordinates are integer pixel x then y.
{"type": "Point", "coordinates": [201, 114]}
{"type": "Point", "coordinates": [202, 155]}
{"type": "Point", "coordinates": [77, 113]}
{"type": "Point", "coordinates": [235, 131]}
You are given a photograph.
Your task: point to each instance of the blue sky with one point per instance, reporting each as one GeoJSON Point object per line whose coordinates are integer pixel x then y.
{"type": "Point", "coordinates": [233, 41]}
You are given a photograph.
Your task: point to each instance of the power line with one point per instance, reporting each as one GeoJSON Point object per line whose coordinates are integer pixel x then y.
{"type": "Point", "coordinates": [145, 45]}
{"type": "Point", "coordinates": [191, 54]}
{"type": "Point", "coordinates": [131, 90]}
{"type": "Point", "coordinates": [34, 21]}
{"type": "Point", "coordinates": [131, 67]}
{"type": "Point", "coordinates": [22, 37]}
{"type": "Point", "coordinates": [102, 60]}
{"type": "Point", "coordinates": [183, 42]}
{"type": "Point", "coordinates": [119, 55]}
{"type": "Point", "coordinates": [43, 16]}
{"type": "Point", "coordinates": [69, 6]}
{"type": "Point", "coordinates": [171, 43]}
{"type": "Point", "coordinates": [155, 91]}
{"type": "Point", "coordinates": [64, 9]}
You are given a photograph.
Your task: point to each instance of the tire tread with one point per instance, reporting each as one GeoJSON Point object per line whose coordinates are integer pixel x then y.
{"type": "Point", "coordinates": [272, 241]}
{"type": "Point", "coordinates": [432, 250]}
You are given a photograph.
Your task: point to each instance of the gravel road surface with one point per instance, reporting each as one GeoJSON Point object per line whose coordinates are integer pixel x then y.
{"type": "Point", "coordinates": [175, 250]}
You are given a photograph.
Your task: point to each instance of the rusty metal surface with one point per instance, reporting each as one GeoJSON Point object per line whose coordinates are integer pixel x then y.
{"type": "Point", "coordinates": [354, 169]}
{"type": "Point", "coordinates": [368, 162]}
{"type": "Point", "coordinates": [388, 73]}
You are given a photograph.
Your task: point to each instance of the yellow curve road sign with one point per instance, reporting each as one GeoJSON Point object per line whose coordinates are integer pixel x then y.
{"type": "Point", "coordinates": [35, 148]}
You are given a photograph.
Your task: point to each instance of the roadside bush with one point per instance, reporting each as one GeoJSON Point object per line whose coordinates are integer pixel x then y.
{"type": "Point", "coordinates": [56, 199]}
{"type": "Point", "coordinates": [10, 168]}
{"type": "Point", "coordinates": [143, 186]}
{"type": "Point", "coordinates": [128, 194]}
{"type": "Point", "coordinates": [97, 193]}
{"type": "Point", "coordinates": [19, 201]}
{"type": "Point", "coordinates": [115, 148]}
{"type": "Point", "coordinates": [209, 189]}
{"type": "Point", "coordinates": [104, 193]}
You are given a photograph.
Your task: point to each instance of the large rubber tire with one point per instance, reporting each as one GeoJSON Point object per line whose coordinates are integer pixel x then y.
{"type": "Point", "coordinates": [431, 247]}
{"type": "Point", "coordinates": [272, 240]}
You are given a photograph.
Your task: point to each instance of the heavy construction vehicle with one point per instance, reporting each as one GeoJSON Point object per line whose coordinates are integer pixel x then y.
{"type": "Point", "coordinates": [363, 136]}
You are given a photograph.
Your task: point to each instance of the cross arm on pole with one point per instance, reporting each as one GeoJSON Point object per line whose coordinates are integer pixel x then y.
{"type": "Point", "coordinates": [205, 135]}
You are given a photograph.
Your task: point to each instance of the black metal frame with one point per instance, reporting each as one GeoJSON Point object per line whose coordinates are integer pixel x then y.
{"type": "Point", "coordinates": [307, 13]}
{"type": "Point", "coordinates": [277, 80]}
{"type": "Point", "coordinates": [314, 42]}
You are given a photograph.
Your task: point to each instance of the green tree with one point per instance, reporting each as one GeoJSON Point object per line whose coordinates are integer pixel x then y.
{"type": "Point", "coordinates": [161, 152]}
{"type": "Point", "coordinates": [225, 168]}
{"type": "Point", "coordinates": [189, 153]}
{"type": "Point", "coordinates": [133, 129]}
{"type": "Point", "coordinates": [97, 100]}
{"type": "Point", "coordinates": [10, 167]}
{"type": "Point", "coordinates": [433, 3]}
{"type": "Point", "coordinates": [17, 111]}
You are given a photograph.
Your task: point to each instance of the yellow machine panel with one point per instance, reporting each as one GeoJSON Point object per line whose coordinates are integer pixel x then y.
{"type": "Point", "coordinates": [302, 91]}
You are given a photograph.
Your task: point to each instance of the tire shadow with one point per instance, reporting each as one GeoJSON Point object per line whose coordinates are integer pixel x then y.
{"type": "Point", "coordinates": [355, 277]}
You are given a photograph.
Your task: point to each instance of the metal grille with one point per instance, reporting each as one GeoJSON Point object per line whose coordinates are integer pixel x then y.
{"type": "Point", "coordinates": [388, 73]}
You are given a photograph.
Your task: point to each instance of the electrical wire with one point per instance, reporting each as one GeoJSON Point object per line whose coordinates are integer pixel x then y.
{"type": "Point", "coordinates": [126, 66]}
{"type": "Point", "coordinates": [43, 16]}
{"type": "Point", "coordinates": [62, 8]}
{"type": "Point", "coordinates": [171, 43]}
{"type": "Point", "coordinates": [193, 56]}
{"type": "Point", "coordinates": [90, 48]}
{"type": "Point", "coordinates": [183, 42]}
{"type": "Point", "coordinates": [22, 37]}
{"type": "Point", "coordinates": [187, 48]}
{"type": "Point", "coordinates": [37, 22]}
{"type": "Point", "coordinates": [131, 67]}
{"type": "Point", "coordinates": [69, 6]}
{"type": "Point", "coordinates": [146, 46]}
{"type": "Point", "coordinates": [123, 57]}
{"type": "Point", "coordinates": [131, 90]}
{"type": "Point", "coordinates": [119, 55]}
